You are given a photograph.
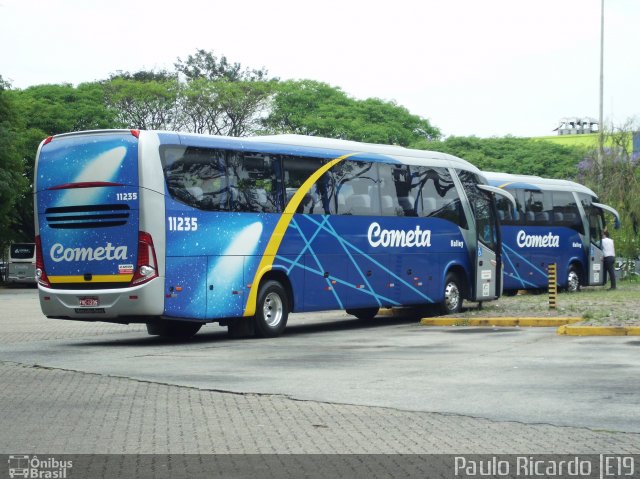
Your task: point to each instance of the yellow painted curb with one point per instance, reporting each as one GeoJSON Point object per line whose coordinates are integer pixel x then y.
{"type": "Point", "coordinates": [548, 321]}
{"type": "Point", "coordinates": [633, 330]}
{"type": "Point", "coordinates": [599, 330]}
{"type": "Point", "coordinates": [502, 321]}
{"type": "Point", "coordinates": [444, 322]}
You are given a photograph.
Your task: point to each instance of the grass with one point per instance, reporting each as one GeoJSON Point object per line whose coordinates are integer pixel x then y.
{"type": "Point", "coordinates": [596, 305]}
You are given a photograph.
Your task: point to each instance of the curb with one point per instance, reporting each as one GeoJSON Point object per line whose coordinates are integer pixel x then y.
{"type": "Point", "coordinates": [568, 330]}
{"type": "Point", "coordinates": [501, 321]}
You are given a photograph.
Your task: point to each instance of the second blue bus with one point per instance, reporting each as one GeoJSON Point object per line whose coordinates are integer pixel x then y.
{"type": "Point", "coordinates": [555, 221]}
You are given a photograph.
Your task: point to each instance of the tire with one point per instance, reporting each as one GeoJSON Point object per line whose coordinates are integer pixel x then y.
{"type": "Point", "coordinates": [272, 310]}
{"type": "Point", "coordinates": [510, 292]}
{"type": "Point", "coordinates": [364, 314]}
{"type": "Point", "coordinates": [173, 329]}
{"type": "Point", "coordinates": [573, 279]}
{"type": "Point", "coordinates": [452, 301]}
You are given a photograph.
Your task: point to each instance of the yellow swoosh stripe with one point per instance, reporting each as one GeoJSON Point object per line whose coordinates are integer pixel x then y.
{"type": "Point", "coordinates": [266, 263]}
{"type": "Point", "coordinates": [506, 184]}
{"type": "Point", "coordinates": [96, 278]}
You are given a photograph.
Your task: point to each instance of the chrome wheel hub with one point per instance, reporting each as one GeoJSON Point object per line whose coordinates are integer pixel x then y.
{"type": "Point", "coordinates": [452, 296]}
{"type": "Point", "coordinates": [573, 281]}
{"type": "Point", "coordinates": [272, 309]}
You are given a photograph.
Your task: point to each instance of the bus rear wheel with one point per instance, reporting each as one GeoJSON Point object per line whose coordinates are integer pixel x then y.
{"type": "Point", "coordinates": [272, 310]}
{"type": "Point", "coordinates": [173, 329]}
{"type": "Point", "coordinates": [364, 313]}
{"type": "Point", "coordinates": [452, 301]}
{"type": "Point", "coordinates": [573, 279]}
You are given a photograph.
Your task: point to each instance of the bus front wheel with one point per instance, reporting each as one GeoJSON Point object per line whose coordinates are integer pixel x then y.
{"type": "Point", "coordinates": [573, 279]}
{"type": "Point", "coordinates": [272, 310]}
{"type": "Point", "coordinates": [452, 301]}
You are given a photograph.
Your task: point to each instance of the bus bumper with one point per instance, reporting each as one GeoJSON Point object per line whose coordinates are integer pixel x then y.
{"type": "Point", "coordinates": [134, 304]}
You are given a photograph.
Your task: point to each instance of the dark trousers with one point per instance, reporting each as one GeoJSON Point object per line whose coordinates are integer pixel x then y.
{"type": "Point", "coordinates": [610, 269]}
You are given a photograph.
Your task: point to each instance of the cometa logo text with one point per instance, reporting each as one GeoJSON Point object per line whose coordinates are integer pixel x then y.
{"type": "Point", "coordinates": [393, 238]}
{"type": "Point", "coordinates": [109, 252]}
{"type": "Point", "coordinates": [537, 241]}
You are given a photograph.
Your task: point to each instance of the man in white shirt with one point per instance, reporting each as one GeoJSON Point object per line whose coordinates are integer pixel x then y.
{"type": "Point", "coordinates": [609, 259]}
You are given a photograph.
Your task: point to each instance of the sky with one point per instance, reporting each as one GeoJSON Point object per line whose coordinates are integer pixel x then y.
{"type": "Point", "coordinates": [484, 68]}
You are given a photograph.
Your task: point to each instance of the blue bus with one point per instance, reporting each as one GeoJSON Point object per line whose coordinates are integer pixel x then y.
{"type": "Point", "coordinates": [555, 221]}
{"type": "Point", "coordinates": [177, 230]}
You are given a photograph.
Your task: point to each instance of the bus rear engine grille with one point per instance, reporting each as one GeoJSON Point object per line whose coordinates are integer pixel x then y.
{"type": "Point", "coordinates": [87, 216]}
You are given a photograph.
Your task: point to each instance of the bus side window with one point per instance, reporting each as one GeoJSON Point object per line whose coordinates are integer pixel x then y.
{"type": "Point", "coordinates": [254, 181]}
{"type": "Point", "coordinates": [506, 213]}
{"type": "Point", "coordinates": [395, 183]}
{"type": "Point", "coordinates": [539, 209]}
{"type": "Point", "coordinates": [517, 214]}
{"type": "Point", "coordinates": [355, 189]}
{"type": "Point", "coordinates": [440, 198]}
{"type": "Point", "coordinates": [296, 171]}
{"type": "Point", "coordinates": [196, 177]}
{"type": "Point", "coordinates": [565, 211]}
{"type": "Point", "coordinates": [325, 192]}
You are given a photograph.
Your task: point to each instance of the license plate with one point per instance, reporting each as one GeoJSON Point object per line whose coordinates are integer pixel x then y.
{"type": "Point", "coordinates": [89, 302]}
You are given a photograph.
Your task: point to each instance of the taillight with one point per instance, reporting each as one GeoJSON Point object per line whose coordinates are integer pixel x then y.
{"type": "Point", "coordinates": [147, 267]}
{"type": "Point", "coordinates": [41, 275]}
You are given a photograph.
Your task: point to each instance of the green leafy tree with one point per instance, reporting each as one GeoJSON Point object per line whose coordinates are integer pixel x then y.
{"type": "Point", "coordinates": [222, 107]}
{"type": "Point", "coordinates": [526, 156]}
{"type": "Point", "coordinates": [55, 109]}
{"type": "Point", "coordinates": [12, 180]}
{"type": "Point", "coordinates": [244, 104]}
{"type": "Point", "coordinates": [46, 110]}
{"type": "Point", "coordinates": [313, 108]}
{"type": "Point", "coordinates": [616, 180]}
{"type": "Point", "coordinates": [144, 100]}
{"type": "Point", "coordinates": [205, 65]}
{"type": "Point", "coordinates": [220, 97]}
{"type": "Point", "coordinates": [200, 109]}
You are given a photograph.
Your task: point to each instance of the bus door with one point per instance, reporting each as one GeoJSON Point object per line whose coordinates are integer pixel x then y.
{"type": "Point", "coordinates": [488, 259]}
{"type": "Point", "coordinates": [595, 257]}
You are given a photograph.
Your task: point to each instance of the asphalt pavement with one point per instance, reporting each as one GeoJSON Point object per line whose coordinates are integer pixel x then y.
{"type": "Point", "coordinates": [331, 384]}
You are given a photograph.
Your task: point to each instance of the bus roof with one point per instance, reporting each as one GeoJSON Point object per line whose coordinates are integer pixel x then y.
{"type": "Point", "coordinates": [504, 180]}
{"type": "Point", "coordinates": [301, 142]}
{"type": "Point", "coordinates": [402, 154]}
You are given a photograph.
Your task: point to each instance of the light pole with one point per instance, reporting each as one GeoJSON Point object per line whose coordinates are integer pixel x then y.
{"type": "Point", "coordinates": [601, 117]}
